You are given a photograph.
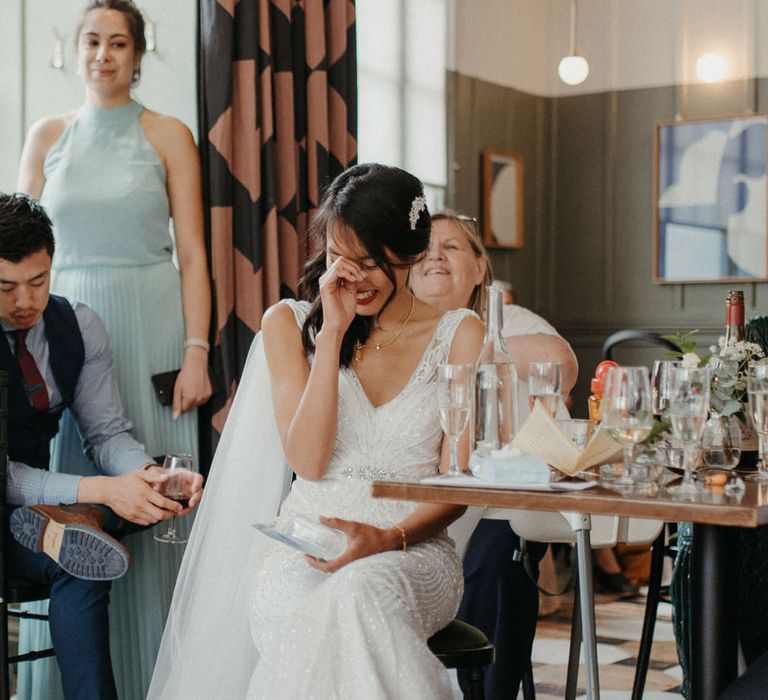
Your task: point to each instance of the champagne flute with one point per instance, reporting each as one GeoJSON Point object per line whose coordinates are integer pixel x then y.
{"type": "Point", "coordinates": [178, 487]}
{"type": "Point", "coordinates": [544, 385]}
{"type": "Point", "coordinates": [627, 413]}
{"type": "Point", "coordinates": [454, 398]}
{"type": "Point", "coordinates": [688, 408]}
{"type": "Point", "coordinates": [661, 378]}
{"type": "Point", "coordinates": [757, 388]}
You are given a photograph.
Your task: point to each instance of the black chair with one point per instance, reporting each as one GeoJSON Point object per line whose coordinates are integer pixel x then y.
{"type": "Point", "coordinates": [460, 645]}
{"type": "Point", "coordinates": [635, 336]}
{"type": "Point", "coordinates": [13, 590]}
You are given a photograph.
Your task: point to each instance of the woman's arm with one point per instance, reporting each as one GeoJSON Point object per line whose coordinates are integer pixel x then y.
{"type": "Point", "coordinates": [42, 135]}
{"type": "Point", "coordinates": [541, 347]}
{"type": "Point", "coordinates": [174, 143]}
{"type": "Point", "coordinates": [429, 518]}
{"type": "Point", "coordinates": [306, 399]}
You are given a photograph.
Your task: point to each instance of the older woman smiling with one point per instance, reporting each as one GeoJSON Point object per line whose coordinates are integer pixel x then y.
{"type": "Point", "coordinates": [453, 274]}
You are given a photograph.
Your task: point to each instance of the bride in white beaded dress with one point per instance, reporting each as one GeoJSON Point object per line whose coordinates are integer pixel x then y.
{"type": "Point", "coordinates": [352, 383]}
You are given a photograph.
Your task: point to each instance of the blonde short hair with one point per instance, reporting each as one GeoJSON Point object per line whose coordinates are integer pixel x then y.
{"type": "Point", "coordinates": [468, 226]}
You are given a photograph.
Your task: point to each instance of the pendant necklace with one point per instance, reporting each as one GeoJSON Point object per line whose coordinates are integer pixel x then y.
{"type": "Point", "coordinates": [359, 347]}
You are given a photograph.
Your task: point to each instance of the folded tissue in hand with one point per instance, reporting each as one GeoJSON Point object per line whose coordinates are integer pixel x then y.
{"type": "Point", "coordinates": [510, 466]}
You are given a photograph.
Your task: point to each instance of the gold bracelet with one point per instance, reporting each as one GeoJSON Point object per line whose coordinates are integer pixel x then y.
{"type": "Point", "coordinates": [405, 539]}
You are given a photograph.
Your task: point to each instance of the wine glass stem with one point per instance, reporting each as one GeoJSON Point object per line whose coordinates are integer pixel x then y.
{"type": "Point", "coordinates": [171, 527]}
{"type": "Point", "coordinates": [762, 444]}
{"type": "Point", "coordinates": [687, 465]}
{"type": "Point", "coordinates": [627, 450]}
{"type": "Point", "coordinates": [453, 466]}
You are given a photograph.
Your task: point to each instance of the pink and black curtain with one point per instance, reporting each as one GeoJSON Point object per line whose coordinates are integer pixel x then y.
{"type": "Point", "coordinates": [278, 113]}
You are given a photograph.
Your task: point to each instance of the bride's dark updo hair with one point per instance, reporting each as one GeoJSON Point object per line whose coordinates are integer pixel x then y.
{"type": "Point", "coordinates": [379, 206]}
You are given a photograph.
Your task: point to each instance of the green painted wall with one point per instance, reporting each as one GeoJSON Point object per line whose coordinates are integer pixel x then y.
{"type": "Point", "coordinates": [588, 159]}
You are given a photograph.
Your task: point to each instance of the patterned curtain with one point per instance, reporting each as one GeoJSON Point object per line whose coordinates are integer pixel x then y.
{"type": "Point", "coordinates": [278, 121]}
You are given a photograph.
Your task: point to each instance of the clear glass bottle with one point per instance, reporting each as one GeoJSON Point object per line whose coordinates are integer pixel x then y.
{"type": "Point", "coordinates": [495, 419]}
{"type": "Point", "coordinates": [734, 316]}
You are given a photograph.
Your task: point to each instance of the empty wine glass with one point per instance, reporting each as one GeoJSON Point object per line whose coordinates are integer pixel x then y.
{"type": "Point", "coordinates": [454, 398]}
{"type": "Point", "coordinates": [544, 385]}
{"type": "Point", "coordinates": [757, 388]}
{"type": "Point", "coordinates": [721, 442]}
{"type": "Point", "coordinates": [627, 413]}
{"type": "Point", "coordinates": [578, 430]}
{"type": "Point", "coordinates": [661, 378]}
{"type": "Point", "coordinates": [179, 486]}
{"type": "Point", "coordinates": [688, 408]}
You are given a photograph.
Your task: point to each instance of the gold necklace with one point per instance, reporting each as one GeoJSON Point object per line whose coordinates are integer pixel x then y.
{"type": "Point", "coordinates": [359, 347]}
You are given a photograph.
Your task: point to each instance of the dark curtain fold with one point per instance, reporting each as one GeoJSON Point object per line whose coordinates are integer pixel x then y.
{"type": "Point", "coordinates": [278, 121]}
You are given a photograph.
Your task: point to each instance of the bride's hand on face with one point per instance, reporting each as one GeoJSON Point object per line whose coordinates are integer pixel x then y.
{"type": "Point", "coordinates": [362, 541]}
{"type": "Point", "coordinates": [338, 292]}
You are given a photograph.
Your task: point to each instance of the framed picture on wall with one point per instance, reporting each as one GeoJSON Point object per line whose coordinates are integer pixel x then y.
{"type": "Point", "coordinates": [710, 207]}
{"type": "Point", "coordinates": [502, 199]}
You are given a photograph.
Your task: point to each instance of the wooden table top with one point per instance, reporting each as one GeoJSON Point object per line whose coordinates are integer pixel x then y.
{"type": "Point", "coordinates": [711, 508]}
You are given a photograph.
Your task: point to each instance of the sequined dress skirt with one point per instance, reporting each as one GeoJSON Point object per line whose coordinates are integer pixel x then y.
{"type": "Point", "coordinates": [360, 632]}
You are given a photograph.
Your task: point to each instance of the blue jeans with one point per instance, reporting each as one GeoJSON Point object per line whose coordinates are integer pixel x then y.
{"type": "Point", "coordinates": [77, 615]}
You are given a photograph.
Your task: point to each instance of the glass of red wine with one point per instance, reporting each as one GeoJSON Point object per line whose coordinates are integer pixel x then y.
{"type": "Point", "coordinates": [178, 487]}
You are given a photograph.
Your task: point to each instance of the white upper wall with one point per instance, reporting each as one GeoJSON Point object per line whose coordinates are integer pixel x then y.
{"type": "Point", "coordinates": [628, 43]}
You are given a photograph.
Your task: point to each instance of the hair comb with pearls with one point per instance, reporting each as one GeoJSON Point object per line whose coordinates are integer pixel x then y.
{"type": "Point", "coordinates": [418, 205]}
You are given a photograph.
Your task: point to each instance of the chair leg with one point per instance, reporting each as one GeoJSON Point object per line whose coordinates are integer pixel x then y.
{"type": "Point", "coordinates": [529, 688]}
{"type": "Point", "coordinates": [476, 686]}
{"type": "Point", "coordinates": [649, 619]}
{"type": "Point", "coordinates": [5, 669]}
{"type": "Point", "coordinates": [575, 647]}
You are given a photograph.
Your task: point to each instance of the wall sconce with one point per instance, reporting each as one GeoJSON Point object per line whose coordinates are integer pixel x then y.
{"type": "Point", "coordinates": [57, 51]}
{"type": "Point", "coordinates": [711, 68]}
{"type": "Point", "coordinates": [573, 69]}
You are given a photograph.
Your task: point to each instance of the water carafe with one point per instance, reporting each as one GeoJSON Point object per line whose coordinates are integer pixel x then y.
{"type": "Point", "coordinates": [495, 409]}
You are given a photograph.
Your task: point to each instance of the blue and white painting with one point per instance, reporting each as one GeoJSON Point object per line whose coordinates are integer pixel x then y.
{"type": "Point", "coordinates": [711, 200]}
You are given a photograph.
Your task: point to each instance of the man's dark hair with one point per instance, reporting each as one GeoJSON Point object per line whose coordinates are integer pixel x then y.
{"type": "Point", "coordinates": [25, 228]}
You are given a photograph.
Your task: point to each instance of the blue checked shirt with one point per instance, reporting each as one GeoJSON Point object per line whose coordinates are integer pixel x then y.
{"type": "Point", "coordinates": [97, 410]}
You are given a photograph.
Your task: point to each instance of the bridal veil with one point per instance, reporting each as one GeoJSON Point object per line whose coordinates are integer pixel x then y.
{"type": "Point", "coordinates": [207, 650]}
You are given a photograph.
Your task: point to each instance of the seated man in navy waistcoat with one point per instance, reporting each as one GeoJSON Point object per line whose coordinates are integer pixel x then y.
{"type": "Point", "coordinates": [57, 356]}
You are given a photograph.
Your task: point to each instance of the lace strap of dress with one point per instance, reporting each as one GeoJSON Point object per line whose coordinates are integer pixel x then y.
{"type": "Point", "coordinates": [300, 309]}
{"type": "Point", "coordinates": [440, 346]}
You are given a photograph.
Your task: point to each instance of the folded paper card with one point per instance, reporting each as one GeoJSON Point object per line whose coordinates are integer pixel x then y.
{"type": "Point", "coordinates": [541, 436]}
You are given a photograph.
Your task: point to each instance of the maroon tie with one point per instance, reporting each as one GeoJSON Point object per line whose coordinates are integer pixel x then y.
{"type": "Point", "coordinates": [33, 380]}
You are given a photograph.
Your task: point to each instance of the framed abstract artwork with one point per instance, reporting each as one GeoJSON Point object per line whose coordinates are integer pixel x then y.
{"type": "Point", "coordinates": [710, 220]}
{"type": "Point", "coordinates": [502, 199]}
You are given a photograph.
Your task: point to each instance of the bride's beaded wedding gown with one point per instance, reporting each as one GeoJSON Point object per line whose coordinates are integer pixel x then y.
{"type": "Point", "coordinates": [361, 632]}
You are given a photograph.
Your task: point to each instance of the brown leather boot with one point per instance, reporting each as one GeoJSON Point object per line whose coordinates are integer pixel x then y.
{"type": "Point", "coordinates": [73, 538]}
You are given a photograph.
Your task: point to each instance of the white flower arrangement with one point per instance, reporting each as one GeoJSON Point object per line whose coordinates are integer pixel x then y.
{"type": "Point", "coordinates": [729, 363]}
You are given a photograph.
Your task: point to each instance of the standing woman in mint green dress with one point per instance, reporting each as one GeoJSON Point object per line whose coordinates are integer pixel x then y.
{"type": "Point", "coordinates": [111, 175]}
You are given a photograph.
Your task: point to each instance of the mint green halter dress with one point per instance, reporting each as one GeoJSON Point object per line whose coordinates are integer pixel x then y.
{"type": "Point", "coordinates": [105, 191]}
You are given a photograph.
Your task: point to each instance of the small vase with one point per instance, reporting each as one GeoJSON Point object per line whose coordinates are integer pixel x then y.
{"type": "Point", "coordinates": [721, 442]}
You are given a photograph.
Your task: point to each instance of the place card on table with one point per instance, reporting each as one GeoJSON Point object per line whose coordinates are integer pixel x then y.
{"type": "Point", "coordinates": [542, 437]}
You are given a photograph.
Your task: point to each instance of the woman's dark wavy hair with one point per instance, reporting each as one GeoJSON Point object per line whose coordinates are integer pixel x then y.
{"type": "Point", "coordinates": [372, 202]}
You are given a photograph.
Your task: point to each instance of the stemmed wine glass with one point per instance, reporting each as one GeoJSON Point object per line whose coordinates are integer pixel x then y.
{"type": "Point", "coordinates": [688, 408]}
{"type": "Point", "coordinates": [757, 388]}
{"type": "Point", "coordinates": [178, 487]}
{"type": "Point", "coordinates": [544, 385]}
{"type": "Point", "coordinates": [627, 413]}
{"type": "Point", "coordinates": [454, 398]}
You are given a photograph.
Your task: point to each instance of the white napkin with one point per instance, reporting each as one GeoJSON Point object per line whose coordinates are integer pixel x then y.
{"type": "Point", "coordinates": [510, 466]}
